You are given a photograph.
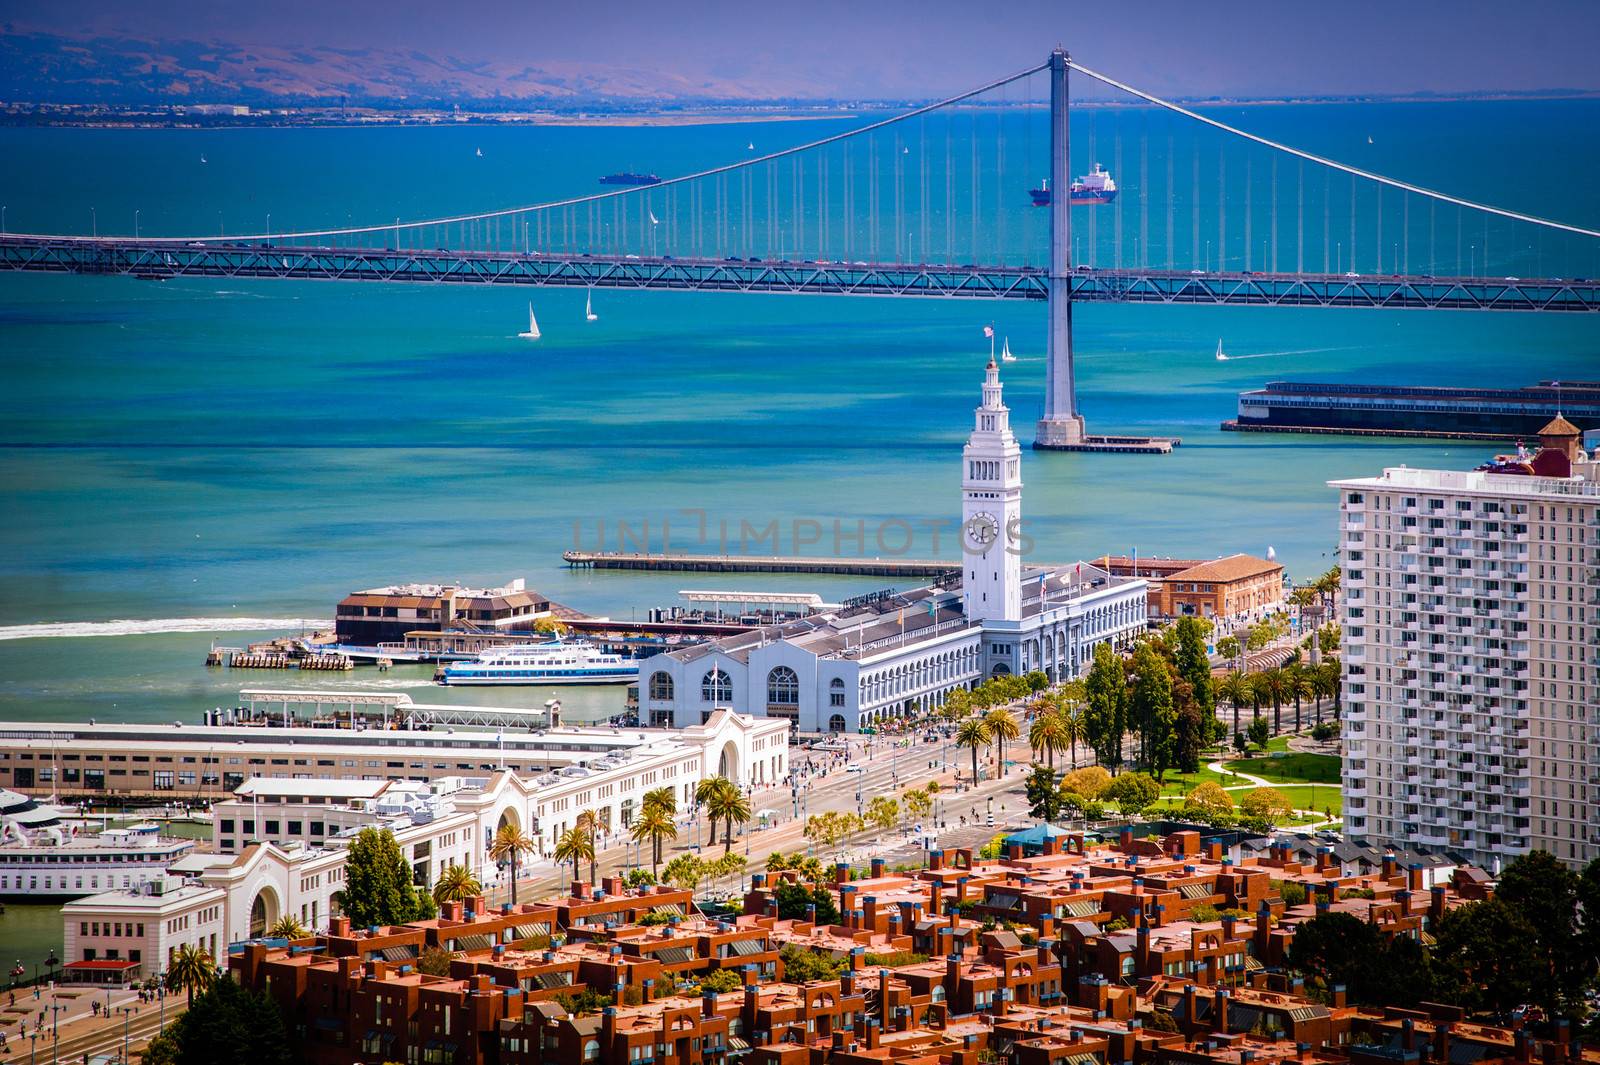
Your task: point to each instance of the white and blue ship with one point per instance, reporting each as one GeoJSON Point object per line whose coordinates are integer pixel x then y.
{"type": "Point", "coordinates": [543, 663]}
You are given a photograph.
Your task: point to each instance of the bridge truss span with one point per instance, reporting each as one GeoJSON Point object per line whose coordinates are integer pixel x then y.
{"type": "Point", "coordinates": [160, 261]}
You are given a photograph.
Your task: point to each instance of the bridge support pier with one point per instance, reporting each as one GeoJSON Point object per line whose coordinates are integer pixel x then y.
{"type": "Point", "coordinates": [1062, 426]}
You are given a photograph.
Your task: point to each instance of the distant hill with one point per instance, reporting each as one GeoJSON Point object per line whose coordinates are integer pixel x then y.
{"type": "Point", "coordinates": [43, 67]}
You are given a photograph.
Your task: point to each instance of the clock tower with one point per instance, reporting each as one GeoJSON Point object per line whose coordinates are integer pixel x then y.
{"type": "Point", "coordinates": [991, 511]}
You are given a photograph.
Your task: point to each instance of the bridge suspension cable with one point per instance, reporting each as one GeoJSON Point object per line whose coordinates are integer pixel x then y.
{"type": "Point", "coordinates": [593, 198]}
{"type": "Point", "coordinates": [1332, 163]}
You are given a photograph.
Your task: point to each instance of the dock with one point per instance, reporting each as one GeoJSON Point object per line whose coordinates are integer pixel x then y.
{"type": "Point", "coordinates": [1126, 445]}
{"type": "Point", "coordinates": [855, 567]}
{"type": "Point", "coordinates": [1233, 425]}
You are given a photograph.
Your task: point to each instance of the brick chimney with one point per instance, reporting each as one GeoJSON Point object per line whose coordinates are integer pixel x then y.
{"type": "Point", "coordinates": [935, 859]}
{"type": "Point", "coordinates": [1391, 864]}
{"type": "Point", "coordinates": [878, 867]}
{"type": "Point", "coordinates": [841, 873]}
{"type": "Point", "coordinates": [339, 927]}
{"type": "Point", "coordinates": [1441, 1042]}
{"type": "Point", "coordinates": [1219, 1011]}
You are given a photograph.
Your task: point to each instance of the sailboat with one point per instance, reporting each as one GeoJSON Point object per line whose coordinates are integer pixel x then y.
{"type": "Point", "coordinates": [588, 308]}
{"type": "Point", "coordinates": [1005, 352]}
{"type": "Point", "coordinates": [1220, 356]}
{"type": "Point", "coordinates": [202, 157]}
{"type": "Point", "coordinates": [480, 153]}
{"type": "Point", "coordinates": [533, 326]}
{"type": "Point", "coordinates": [750, 147]}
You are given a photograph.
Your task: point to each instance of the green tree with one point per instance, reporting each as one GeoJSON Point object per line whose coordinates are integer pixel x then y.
{"type": "Point", "coordinates": [1265, 806]}
{"type": "Point", "coordinates": [575, 845]}
{"type": "Point", "coordinates": [663, 798]}
{"type": "Point", "coordinates": [1047, 734]}
{"type": "Point", "coordinates": [721, 981]}
{"type": "Point", "coordinates": [226, 1022]}
{"type": "Point", "coordinates": [973, 733]}
{"type": "Point", "coordinates": [456, 884]}
{"type": "Point", "coordinates": [802, 966]}
{"type": "Point", "coordinates": [1189, 738]}
{"type": "Point", "coordinates": [1259, 732]}
{"type": "Point", "coordinates": [723, 801]}
{"type": "Point", "coordinates": [793, 900]}
{"type": "Point", "coordinates": [1228, 647]}
{"type": "Point", "coordinates": [1036, 680]}
{"type": "Point", "coordinates": [1044, 798]}
{"type": "Point", "coordinates": [1193, 664]}
{"type": "Point", "coordinates": [1091, 782]}
{"type": "Point", "coordinates": [1003, 729]}
{"type": "Point", "coordinates": [883, 813]}
{"type": "Point", "coordinates": [191, 970]}
{"type": "Point", "coordinates": [1545, 893]}
{"type": "Point", "coordinates": [434, 961]}
{"type": "Point", "coordinates": [1074, 726]}
{"type": "Point", "coordinates": [685, 871]}
{"type": "Point", "coordinates": [654, 824]}
{"type": "Point", "coordinates": [1132, 792]}
{"type": "Point", "coordinates": [1235, 688]}
{"type": "Point", "coordinates": [510, 843]}
{"type": "Point", "coordinates": [1488, 956]}
{"type": "Point", "coordinates": [1335, 948]}
{"type": "Point", "coordinates": [1275, 687]}
{"type": "Point", "coordinates": [378, 887]}
{"type": "Point", "coordinates": [287, 927]}
{"type": "Point", "coordinates": [1210, 797]}
{"type": "Point", "coordinates": [1151, 708]}
{"type": "Point", "coordinates": [1105, 699]}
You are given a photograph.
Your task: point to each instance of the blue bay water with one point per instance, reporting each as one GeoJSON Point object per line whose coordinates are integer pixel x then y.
{"type": "Point", "coordinates": [258, 449]}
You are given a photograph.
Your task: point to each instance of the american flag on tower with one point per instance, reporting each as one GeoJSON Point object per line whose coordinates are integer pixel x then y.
{"type": "Point", "coordinates": [988, 331]}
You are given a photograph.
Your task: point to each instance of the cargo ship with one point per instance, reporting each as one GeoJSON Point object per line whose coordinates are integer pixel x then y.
{"type": "Point", "coordinates": [1094, 187]}
{"type": "Point", "coordinates": [1415, 410]}
{"type": "Point", "coordinates": [627, 177]}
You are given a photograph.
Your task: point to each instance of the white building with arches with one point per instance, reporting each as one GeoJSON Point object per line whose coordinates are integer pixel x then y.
{"type": "Point", "coordinates": [902, 654]}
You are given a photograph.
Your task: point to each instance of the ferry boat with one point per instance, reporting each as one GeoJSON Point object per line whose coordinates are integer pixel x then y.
{"type": "Point", "coordinates": [60, 862]}
{"type": "Point", "coordinates": [1094, 187]}
{"type": "Point", "coordinates": [628, 177]}
{"type": "Point", "coordinates": [542, 663]}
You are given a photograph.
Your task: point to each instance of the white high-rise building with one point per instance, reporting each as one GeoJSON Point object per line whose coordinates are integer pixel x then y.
{"type": "Point", "coordinates": [991, 511]}
{"type": "Point", "coordinates": [1471, 640]}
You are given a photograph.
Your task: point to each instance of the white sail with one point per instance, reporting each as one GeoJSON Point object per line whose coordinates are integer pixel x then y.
{"type": "Point", "coordinates": [653, 219]}
{"type": "Point", "coordinates": [588, 308]}
{"type": "Point", "coordinates": [1220, 356]}
{"type": "Point", "coordinates": [1005, 351]}
{"type": "Point", "coordinates": [533, 326]}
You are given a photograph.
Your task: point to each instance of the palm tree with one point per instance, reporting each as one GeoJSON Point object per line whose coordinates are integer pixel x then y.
{"type": "Point", "coordinates": [510, 844]}
{"type": "Point", "coordinates": [287, 927]}
{"type": "Point", "coordinates": [655, 825]}
{"type": "Point", "coordinates": [1075, 727]}
{"type": "Point", "coordinates": [589, 821]}
{"type": "Point", "coordinates": [665, 798]}
{"type": "Point", "coordinates": [1274, 686]}
{"type": "Point", "coordinates": [1324, 683]}
{"type": "Point", "coordinates": [456, 884]}
{"type": "Point", "coordinates": [1048, 733]}
{"type": "Point", "coordinates": [1303, 687]}
{"type": "Point", "coordinates": [575, 845]}
{"type": "Point", "coordinates": [973, 732]}
{"type": "Point", "coordinates": [1235, 688]}
{"type": "Point", "coordinates": [1003, 727]}
{"type": "Point", "coordinates": [725, 802]}
{"type": "Point", "coordinates": [191, 969]}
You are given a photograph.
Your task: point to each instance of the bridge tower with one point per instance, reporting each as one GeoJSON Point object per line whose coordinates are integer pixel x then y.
{"type": "Point", "coordinates": [1062, 425]}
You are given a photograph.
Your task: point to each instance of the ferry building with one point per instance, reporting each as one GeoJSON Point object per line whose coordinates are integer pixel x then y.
{"type": "Point", "coordinates": [902, 655]}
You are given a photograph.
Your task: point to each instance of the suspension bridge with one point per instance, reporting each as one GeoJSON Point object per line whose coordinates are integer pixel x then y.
{"type": "Point", "coordinates": [926, 203]}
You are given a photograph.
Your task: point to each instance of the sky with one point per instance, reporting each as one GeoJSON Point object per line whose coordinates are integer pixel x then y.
{"type": "Point", "coordinates": [899, 49]}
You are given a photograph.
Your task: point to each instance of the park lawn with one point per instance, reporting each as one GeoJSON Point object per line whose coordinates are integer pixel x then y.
{"type": "Point", "coordinates": [1327, 797]}
{"type": "Point", "coordinates": [1293, 768]}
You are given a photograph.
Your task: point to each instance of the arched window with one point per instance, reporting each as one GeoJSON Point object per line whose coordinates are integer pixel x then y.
{"type": "Point", "coordinates": [661, 685]}
{"type": "Point", "coordinates": [1000, 670]}
{"type": "Point", "coordinates": [591, 1050]}
{"type": "Point", "coordinates": [836, 723]}
{"type": "Point", "coordinates": [716, 687]}
{"type": "Point", "coordinates": [836, 692]}
{"type": "Point", "coordinates": [783, 687]}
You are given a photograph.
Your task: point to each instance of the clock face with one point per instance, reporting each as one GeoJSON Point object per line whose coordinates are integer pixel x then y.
{"type": "Point", "coordinates": [982, 530]}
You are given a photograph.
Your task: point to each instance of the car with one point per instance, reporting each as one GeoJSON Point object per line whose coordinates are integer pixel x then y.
{"type": "Point", "coordinates": [1513, 279]}
{"type": "Point", "coordinates": [1197, 273]}
{"type": "Point", "coordinates": [1351, 273]}
{"type": "Point", "coordinates": [855, 767]}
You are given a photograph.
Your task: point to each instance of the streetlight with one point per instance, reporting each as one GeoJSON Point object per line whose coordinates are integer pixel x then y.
{"type": "Point", "coordinates": [94, 223]}
{"type": "Point", "coordinates": [135, 223]}
{"type": "Point", "coordinates": [127, 1015]}
{"type": "Point", "coordinates": [2, 218]}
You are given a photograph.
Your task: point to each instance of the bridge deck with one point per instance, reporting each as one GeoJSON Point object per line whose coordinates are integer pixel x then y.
{"type": "Point", "coordinates": [160, 260]}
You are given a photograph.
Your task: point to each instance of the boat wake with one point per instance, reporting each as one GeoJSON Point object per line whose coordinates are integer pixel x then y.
{"type": "Point", "coordinates": [157, 625]}
{"type": "Point", "coordinates": [1275, 354]}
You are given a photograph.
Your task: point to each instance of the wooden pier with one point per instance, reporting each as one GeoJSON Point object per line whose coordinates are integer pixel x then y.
{"type": "Point", "coordinates": [856, 567]}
